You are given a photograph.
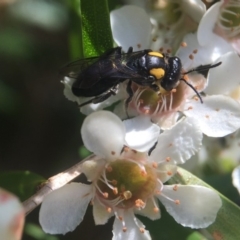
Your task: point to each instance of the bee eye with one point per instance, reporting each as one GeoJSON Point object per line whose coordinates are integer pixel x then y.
{"type": "Point", "coordinates": [158, 73]}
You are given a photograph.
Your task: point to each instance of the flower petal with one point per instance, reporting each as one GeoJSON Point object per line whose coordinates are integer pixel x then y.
{"type": "Point", "coordinates": [224, 78]}
{"type": "Point", "coordinates": [100, 213]}
{"type": "Point", "coordinates": [166, 171]}
{"type": "Point", "coordinates": [207, 23]}
{"type": "Point", "coordinates": [197, 206]}
{"type": "Point", "coordinates": [195, 9]}
{"type": "Point", "coordinates": [133, 226]}
{"type": "Point", "coordinates": [205, 54]}
{"type": "Point", "coordinates": [149, 210]}
{"type": "Point", "coordinates": [92, 168]}
{"type": "Point", "coordinates": [179, 143]}
{"type": "Point", "coordinates": [11, 216]}
{"type": "Point", "coordinates": [217, 116]}
{"type": "Point", "coordinates": [63, 209]}
{"type": "Point", "coordinates": [131, 27]}
{"type": "Point", "coordinates": [103, 133]}
{"type": "Point", "coordinates": [236, 178]}
{"type": "Point", "coordinates": [141, 133]}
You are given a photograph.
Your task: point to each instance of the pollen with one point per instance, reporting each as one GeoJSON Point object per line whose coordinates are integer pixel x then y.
{"type": "Point", "coordinates": [191, 57]}
{"type": "Point", "coordinates": [161, 49]}
{"type": "Point", "coordinates": [126, 149]}
{"type": "Point", "coordinates": [142, 230]}
{"type": "Point", "coordinates": [109, 169]}
{"type": "Point", "coordinates": [183, 44]}
{"type": "Point", "coordinates": [143, 173]}
{"type": "Point", "coordinates": [127, 195]}
{"type": "Point", "coordinates": [177, 202]}
{"type": "Point", "coordinates": [207, 116]}
{"type": "Point", "coordinates": [139, 203]}
{"type": "Point", "coordinates": [156, 209]}
{"type": "Point", "coordinates": [115, 191]}
{"type": "Point", "coordinates": [114, 182]}
{"type": "Point", "coordinates": [168, 159]}
{"type": "Point", "coordinates": [154, 165]}
{"type": "Point", "coordinates": [195, 51]}
{"type": "Point", "coordinates": [105, 195]}
{"type": "Point", "coordinates": [196, 98]}
{"type": "Point", "coordinates": [169, 173]}
{"type": "Point", "coordinates": [109, 210]}
{"type": "Point", "coordinates": [175, 188]}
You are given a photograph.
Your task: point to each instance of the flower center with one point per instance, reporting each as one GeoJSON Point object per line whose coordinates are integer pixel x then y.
{"type": "Point", "coordinates": [126, 183]}
{"type": "Point", "coordinates": [149, 102]}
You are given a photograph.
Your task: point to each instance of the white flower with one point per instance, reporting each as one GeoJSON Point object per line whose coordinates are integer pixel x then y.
{"type": "Point", "coordinates": [221, 21]}
{"type": "Point", "coordinates": [11, 216]}
{"type": "Point", "coordinates": [219, 114]}
{"type": "Point", "coordinates": [126, 181]}
{"type": "Point", "coordinates": [236, 178]}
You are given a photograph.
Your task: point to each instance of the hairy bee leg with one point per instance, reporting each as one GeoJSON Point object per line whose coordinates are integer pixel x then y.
{"type": "Point", "coordinates": [101, 98]}
{"type": "Point", "coordinates": [130, 96]}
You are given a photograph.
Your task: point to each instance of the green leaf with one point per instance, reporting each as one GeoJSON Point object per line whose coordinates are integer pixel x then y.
{"type": "Point", "coordinates": [96, 29]}
{"type": "Point", "coordinates": [36, 232]}
{"type": "Point", "coordinates": [227, 222]}
{"type": "Point", "coordinates": [22, 183]}
{"type": "Point", "coordinates": [75, 34]}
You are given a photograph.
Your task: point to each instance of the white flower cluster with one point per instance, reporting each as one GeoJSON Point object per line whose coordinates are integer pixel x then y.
{"type": "Point", "coordinates": [137, 156]}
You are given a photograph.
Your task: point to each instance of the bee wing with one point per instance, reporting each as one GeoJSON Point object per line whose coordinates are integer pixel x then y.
{"type": "Point", "coordinates": [73, 69]}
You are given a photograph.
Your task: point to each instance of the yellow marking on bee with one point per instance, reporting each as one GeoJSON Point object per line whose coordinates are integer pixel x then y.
{"type": "Point", "coordinates": [158, 73]}
{"type": "Point", "coordinates": [156, 54]}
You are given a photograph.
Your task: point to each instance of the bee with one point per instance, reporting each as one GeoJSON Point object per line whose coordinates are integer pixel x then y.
{"type": "Point", "coordinates": [98, 77]}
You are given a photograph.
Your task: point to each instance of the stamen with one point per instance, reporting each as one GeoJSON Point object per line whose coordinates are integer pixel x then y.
{"type": "Point", "coordinates": [109, 168]}
{"type": "Point", "coordinates": [105, 194]}
{"type": "Point", "coordinates": [168, 159]}
{"type": "Point", "coordinates": [177, 202]}
{"type": "Point", "coordinates": [156, 208]}
{"type": "Point", "coordinates": [114, 182]}
{"type": "Point", "coordinates": [154, 165]}
{"type": "Point", "coordinates": [171, 101]}
{"type": "Point", "coordinates": [142, 230]}
{"type": "Point", "coordinates": [183, 44]}
{"type": "Point", "coordinates": [127, 195]}
{"type": "Point", "coordinates": [161, 185]}
{"type": "Point", "coordinates": [124, 229]}
{"type": "Point", "coordinates": [139, 203]}
{"type": "Point", "coordinates": [175, 188]}
{"type": "Point", "coordinates": [115, 191]}
{"type": "Point", "coordinates": [109, 210]}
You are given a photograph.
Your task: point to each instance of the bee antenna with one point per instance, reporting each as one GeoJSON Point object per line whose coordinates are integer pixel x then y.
{"type": "Point", "coordinates": [193, 88]}
{"type": "Point", "coordinates": [204, 67]}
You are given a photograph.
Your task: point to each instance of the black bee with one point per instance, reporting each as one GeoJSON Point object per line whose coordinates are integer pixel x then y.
{"type": "Point", "coordinates": [98, 77]}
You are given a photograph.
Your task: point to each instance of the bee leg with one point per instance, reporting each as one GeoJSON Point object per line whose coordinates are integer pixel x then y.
{"type": "Point", "coordinates": [101, 98]}
{"type": "Point", "coordinates": [130, 96]}
{"type": "Point", "coordinates": [154, 87]}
